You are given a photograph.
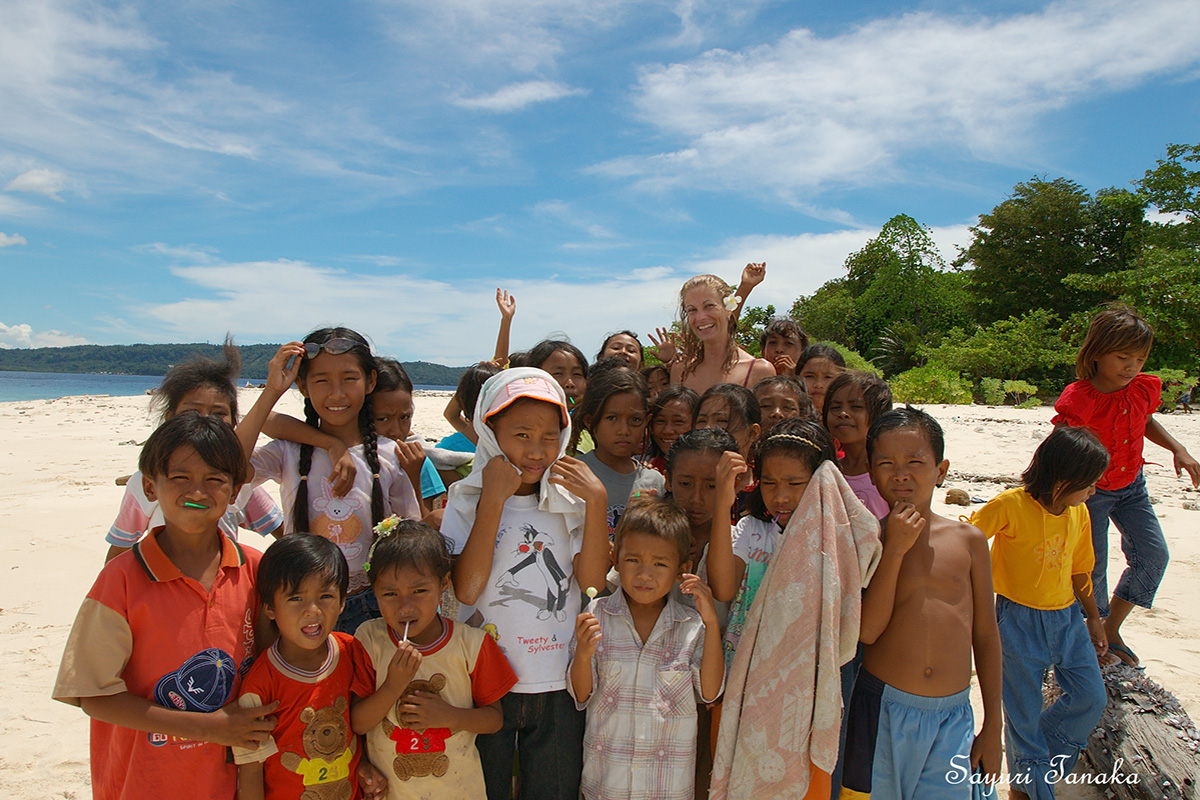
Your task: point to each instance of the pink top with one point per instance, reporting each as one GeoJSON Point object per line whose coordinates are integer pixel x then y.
{"type": "Point", "coordinates": [865, 490]}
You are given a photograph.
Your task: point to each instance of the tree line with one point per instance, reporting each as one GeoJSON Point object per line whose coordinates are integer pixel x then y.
{"type": "Point", "coordinates": [1004, 319]}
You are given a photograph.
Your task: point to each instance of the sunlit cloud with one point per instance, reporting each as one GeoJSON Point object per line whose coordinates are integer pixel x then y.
{"type": "Point", "coordinates": [518, 96]}
{"type": "Point", "coordinates": [39, 181]}
{"type": "Point", "coordinates": [10, 239]}
{"type": "Point", "coordinates": [24, 336]}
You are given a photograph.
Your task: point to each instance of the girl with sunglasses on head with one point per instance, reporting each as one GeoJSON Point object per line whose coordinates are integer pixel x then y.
{"type": "Point", "coordinates": [336, 372]}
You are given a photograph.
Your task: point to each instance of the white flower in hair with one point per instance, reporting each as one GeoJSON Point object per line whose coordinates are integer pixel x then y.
{"type": "Point", "coordinates": [732, 301]}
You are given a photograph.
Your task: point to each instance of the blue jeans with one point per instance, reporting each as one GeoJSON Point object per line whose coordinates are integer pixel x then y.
{"type": "Point", "coordinates": [546, 733]}
{"type": "Point", "coordinates": [1042, 745]}
{"type": "Point", "coordinates": [359, 608]}
{"type": "Point", "coordinates": [1142, 542]}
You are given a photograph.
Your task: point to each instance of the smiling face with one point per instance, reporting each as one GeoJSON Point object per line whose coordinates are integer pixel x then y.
{"type": "Point", "coordinates": [1115, 370]}
{"type": "Point", "coordinates": [693, 485]}
{"type": "Point", "coordinates": [904, 469]}
{"type": "Point", "coordinates": [624, 347]}
{"type": "Point", "coordinates": [783, 481]}
{"type": "Point", "coordinates": [848, 420]}
{"type": "Point", "coordinates": [620, 427]}
{"type": "Point", "coordinates": [817, 374]}
{"type": "Point", "coordinates": [192, 495]}
{"type": "Point", "coordinates": [393, 414]}
{"type": "Point", "coordinates": [337, 388]}
{"type": "Point", "coordinates": [410, 595]}
{"type": "Point", "coordinates": [208, 401]}
{"type": "Point", "coordinates": [672, 421]}
{"type": "Point", "coordinates": [648, 567]}
{"type": "Point", "coordinates": [568, 373]}
{"type": "Point", "coordinates": [529, 433]}
{"type": "Point", "coordinates": [706, 315]}
{"type": "Point", "coordinates": [305, 616]}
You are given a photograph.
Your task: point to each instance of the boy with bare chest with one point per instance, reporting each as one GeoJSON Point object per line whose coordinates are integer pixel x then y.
{"type": "Point", "coordinates": [928, 610]}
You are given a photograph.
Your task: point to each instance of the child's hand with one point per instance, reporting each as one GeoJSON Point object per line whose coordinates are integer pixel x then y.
{"type": "Point", "coordinates": [730, 467]}
{"type": "Point", "coordinates": [411, 457]}
{"type": "Point", "coordinates": [703, 596]}
{"type": "Point", "coordinates": [587, 635]}
{"type": "Point", "coordinates": [903, 527]}
{"type": "Point", "coordinates": [985, 754]}
{"type": "Point", "coordinates": [507, 304]}
{"type": "Point", "coordinates": [754, 274]}
{"type": "Point", "coordinates": [235, 726]}
{"type": "Point", "coordinates": [423, 710]}
{"type": "Point", "coordinates": [341, 477]}
{"type": "Point", "coordinates": [403, 666]}
{"type": "Point", "coordinates": [665, 348]}
{"type": "Point", "coordinates": [784, 365]}
{"type": "Point", "coordinates": [284, 367]}
{"type": "Point", "coordinates": [371, 781]}
{"type": "Point", "coordinates": [1095, 628]}
{"type": "Point", "coordinates": [575, 476]}
{"type": "Point", "coordinates": [501, 479]}
{"type": "Point", "coordinates": [1184, 460]}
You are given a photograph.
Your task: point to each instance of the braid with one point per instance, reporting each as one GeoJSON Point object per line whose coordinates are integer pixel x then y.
{"type": "Point", "coordinates": [300, 507]}
{"type": "Point", "coordinates": [366, 428]}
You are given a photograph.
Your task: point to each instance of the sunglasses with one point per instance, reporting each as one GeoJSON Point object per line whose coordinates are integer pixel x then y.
{"type": "Point", "coordinates": [335, 347]}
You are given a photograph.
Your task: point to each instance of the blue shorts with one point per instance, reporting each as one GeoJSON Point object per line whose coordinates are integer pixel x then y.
{"type": "Point", "coordinates": [901, 746]}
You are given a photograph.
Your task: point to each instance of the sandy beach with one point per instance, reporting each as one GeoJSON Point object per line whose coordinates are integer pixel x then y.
{"type": "Point", "coordinates": [59, 459]}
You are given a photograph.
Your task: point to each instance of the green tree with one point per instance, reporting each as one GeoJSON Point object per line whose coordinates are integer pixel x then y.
{"type": "Point", "coordinates": [1022, 250]}
{"type": "Point", "coordinates": [1028, 347]}
{"type": "Point", "coordinates": [750, 326]}
{"type": "Point", "coordinates": [827, 313]}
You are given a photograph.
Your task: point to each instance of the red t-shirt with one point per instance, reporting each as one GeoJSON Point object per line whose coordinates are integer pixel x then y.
{"type": "Point", "coordinates": [1119, 418]}
{"type": "Point", "coordinates": [312, 744]}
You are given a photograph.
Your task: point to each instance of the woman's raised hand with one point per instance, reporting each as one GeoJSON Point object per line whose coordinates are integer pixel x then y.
{"type": "Point", "coordinates": [666, 348]}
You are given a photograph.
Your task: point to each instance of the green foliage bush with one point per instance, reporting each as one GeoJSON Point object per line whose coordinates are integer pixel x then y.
{"type": "Point", "coordinates": [1015, 348]}
{"type": "Point", "coordinates": [992, 390]}
{"type": "Point", "coordinates": [930, 384]}
{"type": "Point", "coordinates": [854, 360]}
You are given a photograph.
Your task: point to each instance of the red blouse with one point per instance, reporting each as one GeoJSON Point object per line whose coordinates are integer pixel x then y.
{"type": "Point", "coordinates": [1119, 418]}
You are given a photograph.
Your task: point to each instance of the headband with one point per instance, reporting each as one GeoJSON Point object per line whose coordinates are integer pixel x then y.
{"type": "Point", "coordinates": [791, 437]}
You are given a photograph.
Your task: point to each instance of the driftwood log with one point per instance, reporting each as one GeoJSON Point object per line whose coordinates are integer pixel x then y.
{"type": "Point", "coordinates": [1145, 747]}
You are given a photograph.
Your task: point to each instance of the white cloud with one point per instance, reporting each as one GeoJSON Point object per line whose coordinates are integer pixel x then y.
{"type": "Point", "coordinates": [8, 240]}
{"type": "Point", "coordinates": [792, 116]}
{"type": "Point", "coordinates": [517, 96]}
{"type": "Point", "coordinates": [23, 336]}
{"type": "Point", "coordinates": [39, 181]}
{"type": "Point", "coordinates": [190, 253]}
{"type": "Point", "coordinates": [570, 216]}
{"type": "Point", "coordinates": [454, 322]}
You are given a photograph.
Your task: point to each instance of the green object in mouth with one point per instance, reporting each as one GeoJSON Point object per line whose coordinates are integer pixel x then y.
{"type": "Point", "coordinates": [194, 505]}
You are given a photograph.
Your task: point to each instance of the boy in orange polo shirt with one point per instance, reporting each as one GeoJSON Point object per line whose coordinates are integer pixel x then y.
{"type": "Point", "coordinates": [161, 639]}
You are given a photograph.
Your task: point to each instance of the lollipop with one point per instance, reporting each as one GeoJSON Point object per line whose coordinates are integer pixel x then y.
{"type": "Point", "coordinates": [591, 593]}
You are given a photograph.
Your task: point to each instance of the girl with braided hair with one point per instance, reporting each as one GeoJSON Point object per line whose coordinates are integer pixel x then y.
{"type": "Point", "coordinates": [336, 372]}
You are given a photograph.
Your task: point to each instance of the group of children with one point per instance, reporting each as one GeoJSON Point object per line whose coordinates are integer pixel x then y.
{"type": "Point", "coordinates": [613, 550]}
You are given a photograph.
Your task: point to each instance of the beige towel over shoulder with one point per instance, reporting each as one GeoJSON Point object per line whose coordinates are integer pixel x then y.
{"type": "Point", "coordinates": [783, 700]}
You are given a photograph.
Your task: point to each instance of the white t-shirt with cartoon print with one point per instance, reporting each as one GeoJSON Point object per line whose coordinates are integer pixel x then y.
{"type": "Point", "coordinates": [531, 598]}
{"type": "Point", "coordinates": [346, 520]}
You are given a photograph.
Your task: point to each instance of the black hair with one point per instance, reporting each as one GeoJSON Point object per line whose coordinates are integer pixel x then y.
{"type": "Point", "coordinates": [611, 336]}
{"type": "Point", "coordinates": [802, 439]}
{"type": "Point", "coordinates": [676, 391]}
{"type": "Point", "coordinates": [877, 395]}
{"type": "Point", "coordinates": [366, 427]}
{"type": "Point", "coordinates": [409, 544]}
{"type": "Point", "coordinates": [600, 388]}
{"type": "Point", "coordinates": [469, 384]}
{"type": "Point", "coordinates": [808, 409]}
{"type": "Point", "coordinates": [820, 351]}
{"type": "Point", "coordinates": [391, 377]}
{"type": "Point", "coordinates": [211, 438]}
{"type": "Point", "coordinates": [1068, 460]}
{"type": "Point", "coordinates": [196, 373]}
{"type": "Point", "coordinates": [537, 355]}
{"type": "Point", "coordinates": [653, 368]}
{"type": "Point", "coordinates": [519, 359]}
{"type": "Point", "coordinates": [291, 559]}
{"type": "Point", "coordinates": [607, 363]}
{"type": "Point", "coordinates": [908, 417]}
{"type": "Point", "coordinates": [738, 399]}
{"type": "Point", "coordinates": [786, 327]}
{"type": "Point", "coordinates": [701, 440]}
{"type": "Point", "coordinates": [655, 516]}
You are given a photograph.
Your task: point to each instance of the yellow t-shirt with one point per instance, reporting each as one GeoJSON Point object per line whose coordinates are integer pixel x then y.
{"type": "Point", "coordinates": [1034, 552]}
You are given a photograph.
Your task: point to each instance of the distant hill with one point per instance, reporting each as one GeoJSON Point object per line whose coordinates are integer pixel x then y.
{"type": "Point", "coordinates": [155, 359]}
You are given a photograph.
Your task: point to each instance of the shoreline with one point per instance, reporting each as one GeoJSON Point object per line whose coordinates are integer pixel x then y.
{"type": "Point", "coordinates": [61, 457]}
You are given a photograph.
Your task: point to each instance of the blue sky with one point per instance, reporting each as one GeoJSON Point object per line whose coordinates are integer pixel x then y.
{"type": "Point", "coordinates": [170, 171]}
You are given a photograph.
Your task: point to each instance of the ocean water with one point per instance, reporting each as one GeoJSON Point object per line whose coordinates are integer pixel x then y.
{"type": "Point", "coordinates": [16, 386]}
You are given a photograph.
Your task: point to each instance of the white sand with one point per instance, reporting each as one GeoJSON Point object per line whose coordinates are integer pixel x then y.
{"type": "Point", "coordinates": [59, 459]}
